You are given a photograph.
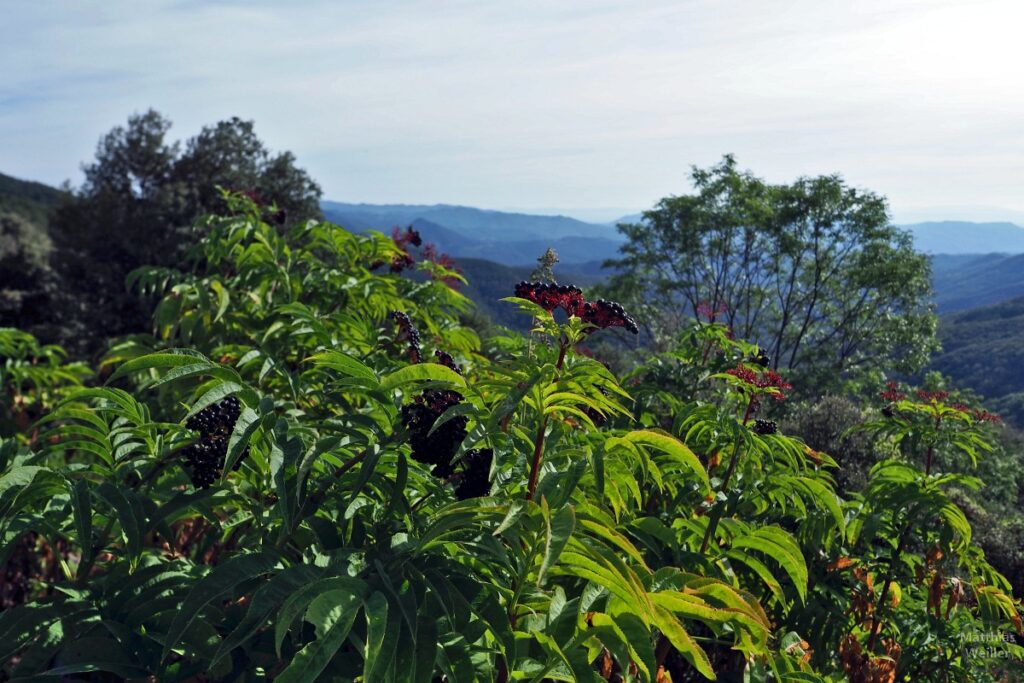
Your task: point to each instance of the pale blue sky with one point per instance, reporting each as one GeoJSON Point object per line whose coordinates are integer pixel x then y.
{"type": "Point", "coordinates": [582, 104]}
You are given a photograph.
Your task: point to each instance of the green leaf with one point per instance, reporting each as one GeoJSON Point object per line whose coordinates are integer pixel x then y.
{"type": "Point", "coordinates": [246, 425]}
{"type": "Point", "coordinates": [675, 449]}
{"type": "Point", "coordinates": [82, 506]}
{"type": "Point", "coordinates": [334, 612]}
{"type": "Point", "coordinates": [220, 581]}
{"type": "Point", "coordinates": [345, 364]}
{"type": "Point", "coordinates": [783, 548]}
{"type": "Point", "coordinates": [297, 602]}
{"type": "Point", "coordinates": [171, 359]}
{"type": "Point", "coordinates": [672, 629]}
{"type": "Point", "coordinates": [421, 373]}
{"type": "Point", "coordinates": [129, 514]}
{"type": "Point", "coordinates": [558, 530]}
{"type": "Point", "coordinates": [377, 656]}
{"type": "Point", "coordinates": [265, 603]}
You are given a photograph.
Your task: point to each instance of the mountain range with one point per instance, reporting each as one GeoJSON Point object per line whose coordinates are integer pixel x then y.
{"type": "Point", "coordinates": [964, 237]}
{"type": "Point", "coordinates": [512, 239]}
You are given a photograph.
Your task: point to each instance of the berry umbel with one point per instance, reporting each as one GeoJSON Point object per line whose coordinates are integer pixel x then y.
{"type": "Point", "coordinates": [602, 314]}
{"type": "Point", "coordinates": [765, 427]}
{"type": "Point", "coordinates": [215, 423]}
{"type": "Point", "coordinates": [437, 448]}
{"type": "Point", "coordinates": [475, 477]}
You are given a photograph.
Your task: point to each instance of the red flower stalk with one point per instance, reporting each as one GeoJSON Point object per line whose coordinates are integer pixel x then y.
{"type": "Point", "coordinates": [403, 239]}
{"type": "Point", "coordinates": [705, 309]}
{"type": "Point", "coordinates": [985, 416]}
{"type": "Point", "coordinates": [766, 379]}
{"type": "Point", "coordinates": [892, 394]}
{"type": "Point", "coordinates": [933, 396]}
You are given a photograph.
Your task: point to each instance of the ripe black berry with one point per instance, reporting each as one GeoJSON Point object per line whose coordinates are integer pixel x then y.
{"type": "Point", "coordinates": [475, 479]}
{"type": "Point", "coordinates": [765, 427]}
{"type": "Point", "coordinates": [444, 358]}
{"type": "Point", "coordinates": [762, 359]}
{"type": "Point", "coordinates": [419, 417]}
{"type": "Point", "coordinates": [215, 423]}
{"type": "Point", "coordinates": [407, 332]}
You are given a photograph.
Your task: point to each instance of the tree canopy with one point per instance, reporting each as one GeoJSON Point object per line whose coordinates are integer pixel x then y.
{"type": "Point", "coordinates": [812, 270]}
{"type": "Point", "coordinates": [140, 198]}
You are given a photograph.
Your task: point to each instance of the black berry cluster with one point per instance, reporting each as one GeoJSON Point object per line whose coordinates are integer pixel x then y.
{"type": "Point", "coordinates": [606, 314]}
{"type": "Point", "coordinates": [762, 359]}
{"type": "Point", "coordinates": [444, 358]}
{"type": "Point", "coordinates": [438, 448]}
{"type": "Point", "coordinates": [408, 333]}
{"type": "Point", "coordinates": [475, 478]}
{"type": "Point", "coordinates": [214, 423]}
{"type": "Point", "coordinates": [765, 427]}
{"type": "Point", "coordinates": [602, 314]}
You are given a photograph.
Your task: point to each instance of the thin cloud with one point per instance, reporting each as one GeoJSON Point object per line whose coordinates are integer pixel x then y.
{"type": "Point", "coordinates": [540, 104]}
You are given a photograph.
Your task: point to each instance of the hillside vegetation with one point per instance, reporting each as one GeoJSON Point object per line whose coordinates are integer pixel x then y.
{"type": "Point", "coordinates": [983, 349]}
{"type": "Point", "coordinates": [315, 471]}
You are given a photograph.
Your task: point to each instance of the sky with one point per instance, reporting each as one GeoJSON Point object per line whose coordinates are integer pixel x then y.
{"type": "Point", "coordinates": [593, 108]}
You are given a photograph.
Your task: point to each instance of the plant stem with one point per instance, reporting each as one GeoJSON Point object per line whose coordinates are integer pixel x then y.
{"type": "Point", "coordinates": [538, 444]}
{"type": "Point", "coordinates": [733, 462]}
{"type": "Point", "coordinates": [876, 621]}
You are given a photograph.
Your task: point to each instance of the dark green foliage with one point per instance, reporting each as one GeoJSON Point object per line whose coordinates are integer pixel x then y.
{"type": "Point", "coordinates": [983, 349]}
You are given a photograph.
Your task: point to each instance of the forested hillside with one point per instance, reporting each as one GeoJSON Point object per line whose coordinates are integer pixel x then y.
{"type": "Point", "coordinates": [983, 349]}
{"type": "Point", "coordinates": [31, 200]}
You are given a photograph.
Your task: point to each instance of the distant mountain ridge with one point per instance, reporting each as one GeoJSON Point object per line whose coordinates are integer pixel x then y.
{"type": "Point", "coordinates": [964, 281]}
{"type": "Point", "coordinates": [473, 222]}
{"type": "Point", "coordinates": [965, 237]}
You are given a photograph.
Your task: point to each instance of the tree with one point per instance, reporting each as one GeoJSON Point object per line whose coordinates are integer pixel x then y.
{"type": "Point", "coordinates": [812, 270]}
{"type": "Point", "coordinates": [24, 276]}
{"type": "Point", "coordinates": [137, 205]}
